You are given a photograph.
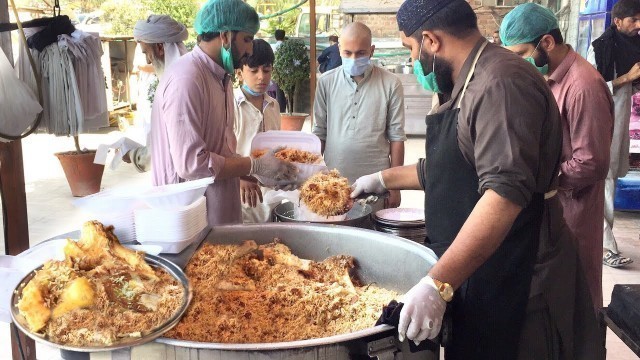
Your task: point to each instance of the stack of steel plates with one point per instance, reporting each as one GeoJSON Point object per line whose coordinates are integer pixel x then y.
{"type": "Point", "coordinates": [406, 223]}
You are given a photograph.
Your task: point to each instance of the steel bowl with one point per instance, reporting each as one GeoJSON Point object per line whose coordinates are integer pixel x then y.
{"type": "Point", "coordinates": [358, 216]}
{"type": "Point", "coordinates": [156, 262]}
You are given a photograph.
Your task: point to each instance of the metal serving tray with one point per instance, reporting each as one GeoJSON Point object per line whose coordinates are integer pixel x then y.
{"type": "Point", "coordinates": [154, 261]}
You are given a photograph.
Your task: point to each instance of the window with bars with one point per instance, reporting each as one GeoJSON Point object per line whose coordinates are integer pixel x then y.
{"type": "Point", "coordinates": [554, 5]}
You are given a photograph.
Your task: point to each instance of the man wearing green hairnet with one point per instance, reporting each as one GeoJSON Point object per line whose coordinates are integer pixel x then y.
{"type": "Point", "coordinates": [193, 113]}
{"type": "Point", "coordinates": [586, 107]}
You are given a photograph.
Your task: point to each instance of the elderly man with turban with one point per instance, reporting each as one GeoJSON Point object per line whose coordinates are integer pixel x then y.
{"type": "Point", "coordinates": [162, 42]}
{"type": "Point", "coordinates": [507, 268]}
{"type": "Point", "coordinates": [586, 107]}
{"type": "Point", "coordinates": [193, 113]}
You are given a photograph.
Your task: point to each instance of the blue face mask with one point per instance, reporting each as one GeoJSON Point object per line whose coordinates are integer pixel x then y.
{"type": "Point", "coordinates": [355, 67]}
{"type": "Point", "coordinates": [543, 69]}
{"type": "Point", "coordinates": [428, 81]}
{"type": "Point", "coordinates": [248, 90]}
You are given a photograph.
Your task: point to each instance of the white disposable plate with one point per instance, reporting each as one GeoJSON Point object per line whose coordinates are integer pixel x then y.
{"type": "Point", "coordinates": [174, 195]}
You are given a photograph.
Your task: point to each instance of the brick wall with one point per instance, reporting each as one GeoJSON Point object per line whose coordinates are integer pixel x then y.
{"type": "Point", "coordinates": [489, 19]}
{"type": "Point", "coordinates": [386, 25]}
{"type": "Point", "coordinates": [380, 25]}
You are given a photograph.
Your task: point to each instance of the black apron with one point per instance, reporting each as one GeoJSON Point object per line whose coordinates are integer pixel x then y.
{"type": "Point", "coordinates": [488, 310]}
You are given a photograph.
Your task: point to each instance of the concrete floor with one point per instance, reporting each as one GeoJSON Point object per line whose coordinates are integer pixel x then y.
{"type": "Point", "coordinates": [51, 213]}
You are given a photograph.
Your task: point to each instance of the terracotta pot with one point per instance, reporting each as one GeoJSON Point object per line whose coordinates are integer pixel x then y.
{"type": "Point", "coordinates": [293, 122]}
{"type": "Point", "coordinates": [84, 177]}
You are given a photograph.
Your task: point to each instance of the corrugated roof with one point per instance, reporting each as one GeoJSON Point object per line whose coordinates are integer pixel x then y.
{"type": "Point", "coordinates": [370, 7]}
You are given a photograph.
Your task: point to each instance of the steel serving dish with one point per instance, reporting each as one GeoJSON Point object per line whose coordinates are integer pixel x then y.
{"type": "Point", "coordinates": [388, 261]}
{"type": "Point", "coordinates": [358, 216]}
{"type": "Point", "coordinates": [156, 262]}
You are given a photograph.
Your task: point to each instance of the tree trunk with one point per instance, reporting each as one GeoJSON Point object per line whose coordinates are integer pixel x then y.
{"type": "Point", "coordinates": [290, 100]}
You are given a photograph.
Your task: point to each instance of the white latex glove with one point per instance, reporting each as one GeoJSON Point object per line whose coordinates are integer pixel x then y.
{"type": "Point", "coordinates": [271, 167]}
{"type": "Point", "coordinates": [421, 315]}
{"type": "Point", "coordinates": [369, 184]}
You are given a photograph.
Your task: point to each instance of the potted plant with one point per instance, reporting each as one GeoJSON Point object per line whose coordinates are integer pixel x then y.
{"type": "Point", "coordinates": [84, 177]}
{"type": "Point", "coordinates": [289, 70]}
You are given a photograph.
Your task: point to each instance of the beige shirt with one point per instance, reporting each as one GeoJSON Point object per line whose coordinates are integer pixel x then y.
{"type": "Point", "coordinates": [248, 122]}
{"type": "Point", "coordinates": [357, 121]}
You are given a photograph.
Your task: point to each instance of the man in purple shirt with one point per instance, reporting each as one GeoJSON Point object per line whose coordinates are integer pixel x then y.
{"type": "Point", "coordinates": [193, 113]}
{"type": "Point", "coordinates": [586, 107]}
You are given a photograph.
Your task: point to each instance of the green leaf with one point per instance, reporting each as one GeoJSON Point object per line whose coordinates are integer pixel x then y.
{"type": "Point", "coordinates": [291, 67]}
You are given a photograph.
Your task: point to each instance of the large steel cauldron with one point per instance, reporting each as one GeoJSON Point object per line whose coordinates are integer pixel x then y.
{"type": "Point", "coordinates": [386, 260]}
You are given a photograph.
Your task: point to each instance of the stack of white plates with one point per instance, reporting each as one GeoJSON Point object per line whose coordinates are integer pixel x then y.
{"type": "Point", "coordinates": [173, 228]}
{"type": "Point", "coordinates": [123, 224]}
{"type": "Point", "coordinates": [114, 207]}
{"type": "Point", "coordinates": [175, 195]}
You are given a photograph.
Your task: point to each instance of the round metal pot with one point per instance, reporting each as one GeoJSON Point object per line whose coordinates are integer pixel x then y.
{"type": "Point", "coordinates": [358, 216]}
{"type": "Point", "coordinates": [388, 261]}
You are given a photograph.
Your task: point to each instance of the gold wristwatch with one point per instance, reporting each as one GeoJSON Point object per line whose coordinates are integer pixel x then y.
{"type": "Point", "coordinates": [445, 290]}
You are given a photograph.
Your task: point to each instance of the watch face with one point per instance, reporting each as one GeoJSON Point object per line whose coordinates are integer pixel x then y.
{"type": "Point", "coordinates": [447, 293]}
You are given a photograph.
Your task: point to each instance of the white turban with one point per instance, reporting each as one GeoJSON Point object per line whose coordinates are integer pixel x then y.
{"type": "Point", "coordinates": [162, 29]}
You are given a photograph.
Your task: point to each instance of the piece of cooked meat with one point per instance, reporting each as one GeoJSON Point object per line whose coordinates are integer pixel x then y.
{"type": "Point", "coordinates": [98, 244]}
{"type": "Point", "coordinates": [78, 294]}
{"type": "Point", "coordinates": [33, 307]}
{"type": "Point", "coordinates": [327, 194]}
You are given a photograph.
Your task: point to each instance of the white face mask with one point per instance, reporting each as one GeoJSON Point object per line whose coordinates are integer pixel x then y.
{"type": "Point", "coordinates": [355, 67]}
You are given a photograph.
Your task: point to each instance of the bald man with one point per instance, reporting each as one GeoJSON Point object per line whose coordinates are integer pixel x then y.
{"type": "Point", "coordinates": [359, 112]}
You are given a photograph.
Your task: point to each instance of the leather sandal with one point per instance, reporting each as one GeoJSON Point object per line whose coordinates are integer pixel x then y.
{"type": "Point", "coordinates": [614, 260]}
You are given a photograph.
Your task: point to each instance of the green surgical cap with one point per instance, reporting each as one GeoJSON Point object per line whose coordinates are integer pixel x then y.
{"type": "Point", "coordinates": [226, 15]}
{"type": "Point", "coordinates": [525, 23]}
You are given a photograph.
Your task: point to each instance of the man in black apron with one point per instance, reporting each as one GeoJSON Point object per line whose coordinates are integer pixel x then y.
{"type": "Point", "coordinates": [492, 156]}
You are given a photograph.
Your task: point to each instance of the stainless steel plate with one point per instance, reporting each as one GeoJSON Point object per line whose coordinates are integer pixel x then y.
{"type": "Point", "coordinates": [152, 260]}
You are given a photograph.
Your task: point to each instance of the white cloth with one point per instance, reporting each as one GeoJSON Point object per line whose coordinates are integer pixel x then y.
{"type": "Point", "coordinates": [248, 122]}
{"type": "Point", "coordinates": [121, 147]}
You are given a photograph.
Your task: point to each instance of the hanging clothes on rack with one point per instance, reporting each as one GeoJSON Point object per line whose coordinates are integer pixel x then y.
{"type": "Point", "coordinates": [25, 73]}
{"type": "Point", "coordinates": [74, 88]}
{"type": "Point", "coordinates": [58, 74]}
{"type": "Point", "coordinates": [87, 53]}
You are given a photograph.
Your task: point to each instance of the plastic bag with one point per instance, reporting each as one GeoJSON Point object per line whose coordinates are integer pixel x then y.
{"type": "Point", "coordinates": [19, 105]}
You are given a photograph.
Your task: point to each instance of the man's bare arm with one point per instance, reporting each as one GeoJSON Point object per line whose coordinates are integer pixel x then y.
{"type": "Point", "coordinates": [480, 236]}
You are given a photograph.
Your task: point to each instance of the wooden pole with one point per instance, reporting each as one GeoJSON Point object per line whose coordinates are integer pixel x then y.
{"type": "Point", "coordinates": [14, 208]}
{"type": "Point", "coordinates": [312, 46]}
